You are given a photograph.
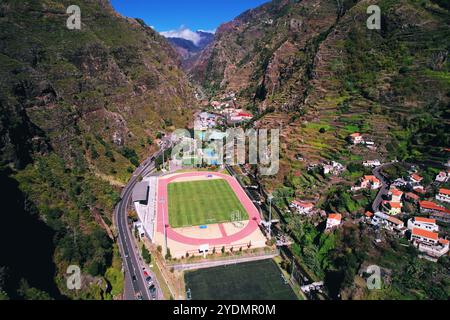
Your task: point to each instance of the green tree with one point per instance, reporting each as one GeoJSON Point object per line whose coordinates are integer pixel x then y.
{"type": "Point", "coordinates": [146, 254]}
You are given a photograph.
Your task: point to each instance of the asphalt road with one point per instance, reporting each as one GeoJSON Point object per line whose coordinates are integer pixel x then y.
{"type": "Point", "coordinates": [134, 280]}
{"type": "Point", "coordinates": [384, 188]}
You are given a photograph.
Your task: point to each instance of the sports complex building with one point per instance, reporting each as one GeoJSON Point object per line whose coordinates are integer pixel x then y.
{"type": "Point", "coordinates": [197, 213]}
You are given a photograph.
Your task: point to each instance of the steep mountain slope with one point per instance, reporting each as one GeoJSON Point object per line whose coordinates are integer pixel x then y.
{"type": "Point", "coordinates": [317, 60]}
{"type": "Point", "coordinates": [78, 110]}
{"type": "Point", "coordinates": [314, 70]}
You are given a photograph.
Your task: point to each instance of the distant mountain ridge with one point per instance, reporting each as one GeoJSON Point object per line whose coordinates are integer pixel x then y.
{"type": "Point", "coordinates": [189, 50]}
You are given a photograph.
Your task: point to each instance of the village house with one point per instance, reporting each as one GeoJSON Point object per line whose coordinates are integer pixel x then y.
{"type": "Point", "coordinates": [368, 182]}
{"type": "Point", "coordinates": [392, 208]}
{"type": "Point", "coordinates": [435, 251]}
{"type": "Point", "coordinates": [399, 182]}
{"type": "Point", "coordinates": [334, 220]}
{"type": "Point", "coordinates": [395, 194]}
{"type": "Point", "coordinates": [371, 182]}
{"type": "Point", "coordinates": [423, 223]}
{"type": "Point", "coordinates": [415, 179]}
{"type": "Point", "coordinates": [435, 211]}
{"type": "Point", "coordinates": [428, 242]}
{"type": "Point", "coordinates": [372, 163]}
{"type": "Point", "coordinates": [443, 195]}
{"type": "Point", "coordinates": [356, 138]}
{"type": "Point", "coordinates": [421, 235]}
{"type": "Point", "coordinates": [205, 121]}
{"type": "Point", "coordinates": [302, 207]}
{"type": "Point", "coordinates": [443, 177]}
{"type": "Point", "coordinates": [387, 222]}
{"type": "Point", "coordinates": [412, 196]}
{"type": "Point", "coordinates": [368, 215]}
{"type": "Point", "coordinates": [215, 104]}
{"type": "Point", "coordinates": [239, 117]}
{"type": "Point", "coordinates": [419, 190]}
{"type": "Point", "coordinates": [334, 168]}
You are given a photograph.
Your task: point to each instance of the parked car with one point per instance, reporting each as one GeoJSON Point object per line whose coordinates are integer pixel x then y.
{"type": "Point", "coordinates": [149, 280]}
{"type": "Point", "coordinates": [153, 293]}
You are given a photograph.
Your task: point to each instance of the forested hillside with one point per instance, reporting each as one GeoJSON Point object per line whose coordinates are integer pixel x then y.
{"type": "Point", "coordinates": [79, 109]}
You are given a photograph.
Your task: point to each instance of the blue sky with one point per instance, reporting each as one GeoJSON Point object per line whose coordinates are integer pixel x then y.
{"type": "Point", "coordinates": [165, 15]}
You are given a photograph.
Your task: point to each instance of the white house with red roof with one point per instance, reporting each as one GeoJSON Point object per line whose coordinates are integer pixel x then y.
{"type": "Point", "coordinates": [372, 163]}
{"type": "Point", "coordinates": [356, 138]}
{"type": "Point", "coordinates": [412, 196]}
{"type": "Point", "coordinates": [415, 178]}
{"type": "Point", "coordinates": [435, 211]}
{"type": "Point", "coordinates": [423, 223]}
{"type": "Point", "coordinates": [238, 117]}
{"type": "Point", "coordinates": [443, 177]}
{"type": "Point", "coordinates": [302, 207]}
{"type": "Point", "coordinates": [371, 182]}
{"type": "Point", "coordinates": [392, 207]}
{"type": "Point", "coordinates": [387, 222]}
{"type": "Point", "coordinates": [443, 195]}
{"type": "Point", "coordinates": [421, 235]}
{"type": "Point", "coordinates": [395, 194]}
{"type": "Point", "coordinates": [334, 220]}
{"type": "Point", "coordinates": [419, 189]}
{"type": "Point", "coordinates": [428, 242]}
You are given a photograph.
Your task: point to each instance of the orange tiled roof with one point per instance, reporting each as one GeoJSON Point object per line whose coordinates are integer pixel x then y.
{"type": "Point", "coordinates": [335, 216]}
{"type": "Point", "coordinates": [395, 205]}
{"type": "Point", "coordinates": [303, 204]}
{"type": "Point", "coordinates": [425, 234]}
{"type": "Point", "coordinates": [444, 191]}
{"type": "Point", "coordinates": [395, 220]}
{"type": "Point", "coordinates": [412, 196]}
{"type": "Point", "coordinates": [416, 177]}
{"type": "Point", "coordinates": [424, 220]}
{"type": "Point", "coordinates": [372, 178]}
{"type": "Point", "coordinates": [368, 214]}
{"type": "Point", "coordinates": [396, 192]}
{"type": "Point", "coordinates": [433, 206]}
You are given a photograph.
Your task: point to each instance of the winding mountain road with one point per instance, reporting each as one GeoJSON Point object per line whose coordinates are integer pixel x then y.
{"type": "Point", "coordinates": [135, 283]}
{"type": "Point", "coordinates": [384, 187]}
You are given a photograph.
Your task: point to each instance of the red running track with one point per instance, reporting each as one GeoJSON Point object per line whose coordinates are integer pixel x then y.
{"type": "Point", "coordinates": [163, 212]}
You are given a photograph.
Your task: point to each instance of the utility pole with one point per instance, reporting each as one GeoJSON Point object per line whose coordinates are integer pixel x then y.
{"type": "Point", "coordinates": [270, 216]}
{"type": "Point", "coordinates": [293, 266]}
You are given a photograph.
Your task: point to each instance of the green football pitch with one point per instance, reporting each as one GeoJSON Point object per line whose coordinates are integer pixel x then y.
{"type": "Point", "coordinates": [196, 203]}
{"type": "Point", "coordinates": [258, 280]}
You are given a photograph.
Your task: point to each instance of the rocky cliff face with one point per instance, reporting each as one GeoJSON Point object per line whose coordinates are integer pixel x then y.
{"type": "Point", "coordinates": [114, 78]}
{"type": "Point", "coordinates": [78, 108]}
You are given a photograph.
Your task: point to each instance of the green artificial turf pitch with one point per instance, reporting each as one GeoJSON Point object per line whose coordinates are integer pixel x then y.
{"type": "Point", "coordinates": [196, 203]}
{"type": "Point", "coordinates": [258, 280]}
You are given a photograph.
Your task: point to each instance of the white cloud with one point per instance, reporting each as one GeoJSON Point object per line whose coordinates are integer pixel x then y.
{"type": "Point", "coordinates": [183, 33]}
{"type": "Point", "coordinates": [208, 31]}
